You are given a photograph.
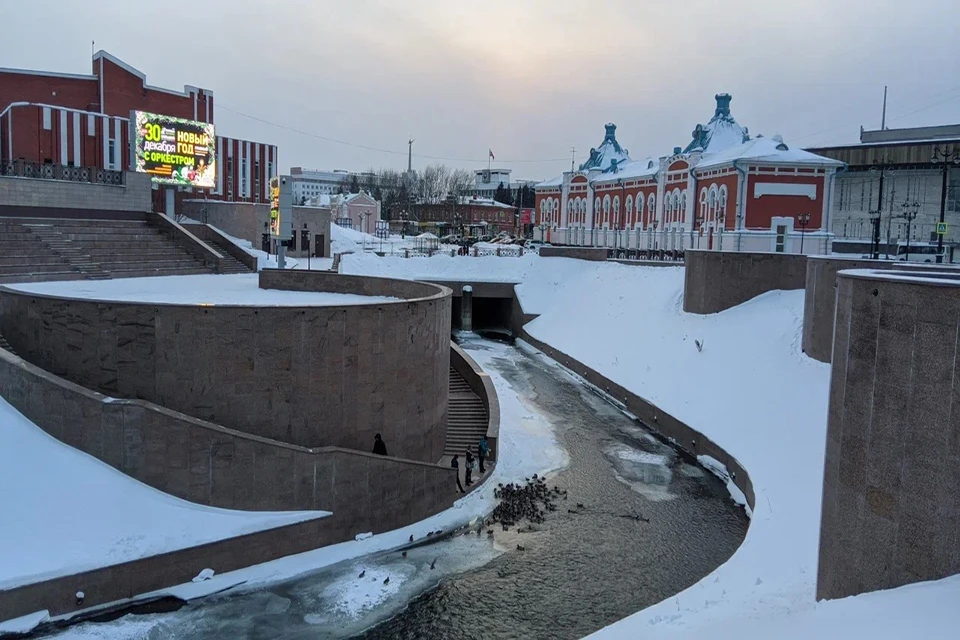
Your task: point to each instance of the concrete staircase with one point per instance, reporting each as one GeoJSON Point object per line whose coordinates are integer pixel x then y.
{"type": "Point", "coordinates": [33, 249]}
{"type": "Point", "coordinates": [230, 264]}
{"type": "Point", "coordinates": [466, 417]}
{"type": "Point", "coordinates": [336, 263]}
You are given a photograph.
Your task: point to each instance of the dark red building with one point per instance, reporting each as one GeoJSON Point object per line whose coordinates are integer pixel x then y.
{"type": "Point", "coordinates": [74, 120]}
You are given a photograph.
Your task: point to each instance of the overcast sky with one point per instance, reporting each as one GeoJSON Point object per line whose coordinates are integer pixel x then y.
{"type": "Point", "coordinates": [528, 79]}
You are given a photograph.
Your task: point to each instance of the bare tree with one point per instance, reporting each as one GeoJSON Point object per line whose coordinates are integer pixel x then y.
{"type": "Point", "coordinates": [460, 183]}
{"type": "Point", "coordinates": [432, 187]}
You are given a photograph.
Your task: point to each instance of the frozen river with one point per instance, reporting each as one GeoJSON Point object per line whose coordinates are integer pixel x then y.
{"type": "Point", "coordinates": [652, 523]}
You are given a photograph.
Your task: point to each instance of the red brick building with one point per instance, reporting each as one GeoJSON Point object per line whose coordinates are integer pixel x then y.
{"type": "Point", "coordinates": [481, 215]}
{"type": "Point", "coordinates": [725, 190]}
{"type": "Point", "coordinates": [73, 121]}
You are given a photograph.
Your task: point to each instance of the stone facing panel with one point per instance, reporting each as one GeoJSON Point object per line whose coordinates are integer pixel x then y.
{"type": "Point", "coordinates": [308, 376]}
{"type": "Point", "coordinates": [891, 495]}
{"type": "Point", "coordinates": [819, 302]}
{"type": "Point", "coordinates": [718, 280]}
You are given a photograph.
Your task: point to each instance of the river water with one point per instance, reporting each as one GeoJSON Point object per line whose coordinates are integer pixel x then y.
{"type": "Point", "coordinates": [652, 523]}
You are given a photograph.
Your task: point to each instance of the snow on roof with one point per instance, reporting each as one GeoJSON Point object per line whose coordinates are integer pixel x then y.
{"type": "Point", "coordinates": [609, 154]}
{"type": "Point", "coordinates": [634, 169]}
{"type": "Point", "coordinates": [552, 182]}
{"type": "Point", "coordinates": [721, 132]}
{"type": "Point", "coordinates": [768, 150]}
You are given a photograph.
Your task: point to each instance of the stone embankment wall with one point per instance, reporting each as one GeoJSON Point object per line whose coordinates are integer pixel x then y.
{"type": "Point", "coordinates": [719, 280]}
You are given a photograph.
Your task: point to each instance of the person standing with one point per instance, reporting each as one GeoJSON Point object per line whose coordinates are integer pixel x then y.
{"type": "Point", "coordinates": [483, 450]}
{"type": "Point", "coordinates": [469, 467]}
{"type": "Point", "coordinates": [455, 463]}
{"type": "Point", "coordinates": [379, 447]}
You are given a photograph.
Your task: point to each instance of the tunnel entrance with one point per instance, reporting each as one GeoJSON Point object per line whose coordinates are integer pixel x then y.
{"type": "Point", "coordinates": [488, 314]}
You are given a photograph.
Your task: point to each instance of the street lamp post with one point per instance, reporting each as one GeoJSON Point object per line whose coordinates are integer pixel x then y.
{"type": "Point", "coordinates": [655, 225]}
{"type": "Point", "coordinates": [910, 210]}
{"type": "Point", "coordinates": [875, 244]}
{"type": "Point", "coordinates": [803, 220]}
{"type": "Point", "coordinates": [944, 156]}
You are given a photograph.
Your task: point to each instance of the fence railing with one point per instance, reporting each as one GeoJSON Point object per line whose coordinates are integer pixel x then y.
{"type": "Point", "coordinates": [45, 171]}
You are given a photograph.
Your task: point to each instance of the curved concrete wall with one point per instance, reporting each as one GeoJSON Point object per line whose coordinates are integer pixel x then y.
{"type": "Point", "coordinates": [481, 384]}
{"type": "Point", "coordinates": [891, 492]}
{"type": "Point", "coordinates": [820, 300]}
{"type": "Point", "coordinates": [718, 280]}
{"type": "Point", "coordinates": [307, 376]}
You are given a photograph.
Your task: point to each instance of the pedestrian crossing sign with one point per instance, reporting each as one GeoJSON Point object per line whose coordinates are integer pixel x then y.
{"type": "Point", "coordinates": [941, 228]}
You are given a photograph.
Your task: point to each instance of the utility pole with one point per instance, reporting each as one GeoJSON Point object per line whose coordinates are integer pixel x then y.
{"type": "Point", "coordinates": [573, 157]}
{"type": "Point", "coordinates": [883, 118]}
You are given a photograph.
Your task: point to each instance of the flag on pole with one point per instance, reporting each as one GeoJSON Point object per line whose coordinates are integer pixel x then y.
{"type": "Point", "coordinates": [492, 157]}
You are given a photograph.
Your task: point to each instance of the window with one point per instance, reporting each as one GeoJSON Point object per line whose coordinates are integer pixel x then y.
{"type": "Point", "coordinates": [230, 176]}
{"type": "Point", "coordinates": [781, 237]}
{"type": "Point", "coordinates": [596, 211]}
{"type": "Point", "coordinates": [629, 209]}
{"type": "Point", "coordinates": [606, 210]}
{"type": "Point", "coordinates": [243, 178]}
{"type": "Point", "coordinates": [616, 210]}
{"type": "Point", "coordinates": [256, 182]}
{"type": "Point", "coordinates": [112, 154]}
{"type": "Point", "coordinates": [46, 118]}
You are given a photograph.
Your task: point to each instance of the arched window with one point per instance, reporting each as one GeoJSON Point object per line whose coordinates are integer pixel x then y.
{"type": "Point", "coordinates": [628, 206]}
{"type": "Point", "coordinates": [606, 210]}
{"type": "Point", "coordinates": [722, 202]}
{"type": "Point", "coordinates": [703, 206]}
{"type": "Point", "coordinates": [569, 210]}
{"type": "Point", "coordinates": [556, 212]}
{"type": "Point", "coordinates": [652, 207]}
{"type": "Point", "coordinates": [639, 219]}
{"type": "Point", "coordinates": [596, 212]}
{"type": "Point", "coordinates": [616, 210]}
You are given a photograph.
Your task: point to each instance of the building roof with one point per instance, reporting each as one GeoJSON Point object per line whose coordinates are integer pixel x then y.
{"type": "Point", "coordinates": [552, 182]}
{"type": "Point", "coordinates": [771, 150]}
{"type": "Point", "coordinates": [609, 154]}
{"type": "Point", "coordinates": [721, 132]}
{"type": "Point", "coordinates": [911, 134]}
{"type": "Point", "coordinates": [645, 168]}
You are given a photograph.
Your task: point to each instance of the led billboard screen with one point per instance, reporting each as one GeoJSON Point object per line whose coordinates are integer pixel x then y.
{"type": "Point", "coordinates": [174, 150]}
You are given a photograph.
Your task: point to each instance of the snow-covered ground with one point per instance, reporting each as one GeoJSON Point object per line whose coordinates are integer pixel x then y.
{"type": "Point", "coordinates": [213, 289]}
{"type": "Point", "coordinates": [754, 393]}
{"type": "Point", "coordinates": [264, 259]}
{"type": "Point", "coordinates": [527, 445]}
{"type": "Point", "coordinates": [62, 511]}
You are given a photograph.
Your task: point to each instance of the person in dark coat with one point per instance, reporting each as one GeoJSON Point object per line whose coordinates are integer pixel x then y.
{"type": "Point", "coordinates": [468, 468]}
{"type": "Point", "coordinates": [483, 450]}
{"type": "Point", "coordinates": [455, 463]}
{"type": "Point", "coordinates": [378, 447]}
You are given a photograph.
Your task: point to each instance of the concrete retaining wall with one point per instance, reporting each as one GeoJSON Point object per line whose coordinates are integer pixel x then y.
{"type": "Point", "coordinates": [891, 492]}
{"type": "Point", "coordinates": [135, 195]}
{"type": "Point", "coordinates": [819, 302]}
{"type": "Point", "coordinates": [579, 253]}
{"type": "Point", "coordinates": [718, 280]}
{"type": "Point", "coordinates": [307, 376]}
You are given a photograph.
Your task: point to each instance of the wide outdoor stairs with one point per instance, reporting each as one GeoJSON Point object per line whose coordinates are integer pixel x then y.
{"type": "Point", "coordinates": [34, 249]}
{"type": "Point", "coordinates": [466, 417]}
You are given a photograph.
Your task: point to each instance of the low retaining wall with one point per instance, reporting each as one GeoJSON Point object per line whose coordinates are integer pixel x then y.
{"type": "Point", "coordinates": [891, 490]}
{"type": "Point", "coordinates": [211, 465]}
{"type": "Point", "coordinates": [820, 300]}
{"type": "Point", "coordinates": [718, 280]}
{"type": "Point", "coordinates": [578, 253]}
{"type": "Point", "coordinates": [481, 384]}
{"type": "Point", "coordinates": [134, 195]}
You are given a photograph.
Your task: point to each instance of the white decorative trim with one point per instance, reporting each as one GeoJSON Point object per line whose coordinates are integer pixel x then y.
{"type": "Point", "coordinates": [76, 139]}
{"type": "Point", "coordinates": [761, 189]}
{"type": "Point", "coordinates": [64, 139]}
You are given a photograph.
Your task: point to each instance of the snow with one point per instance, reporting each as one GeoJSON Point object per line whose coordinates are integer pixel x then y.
{"type": "Point", "coordinates": [206, 289]}
{"type": "Point", "coordinates": [742, 392]}
{"type": "Point", "coordinates": [23, 624]}
{"type": "Point", "coordinates": [769, 150]}
{"type": "Point", "coordinates": [527, 445]}
{"type": "Point", "coordinates": [646, 168]}
{"type": "Point", "coordinates": [111, 517]}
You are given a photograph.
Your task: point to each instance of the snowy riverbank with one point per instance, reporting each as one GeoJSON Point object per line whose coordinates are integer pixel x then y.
{"type": "Point", "coordinates": [754, 393]}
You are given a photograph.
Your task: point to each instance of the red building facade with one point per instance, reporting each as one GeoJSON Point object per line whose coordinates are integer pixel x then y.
{"type": "Point", "coordinates": [74, 120]}
{"type": "Point", "coordinates": [758, 192]}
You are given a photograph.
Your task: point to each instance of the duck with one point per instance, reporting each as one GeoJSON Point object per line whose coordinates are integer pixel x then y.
{"type": "Point", "coordinates": [404, 554]}
{"type": "Point", "coordinates": [433, 564]}
{"type": "Point", "coordinates": [386, 580]}
{"type": "Point", "coordinates": [363, 573]}
{"type": "Point", "coordinates": [520, 548]}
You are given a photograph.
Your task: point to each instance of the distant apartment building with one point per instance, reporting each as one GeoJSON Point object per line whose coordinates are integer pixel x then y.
{"type": "Point", "coordinates": [310, 183]}
{"type": "Point", "coordinates": [486, 182]}
{"type": "Point", "coordinates": [75, 127]}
